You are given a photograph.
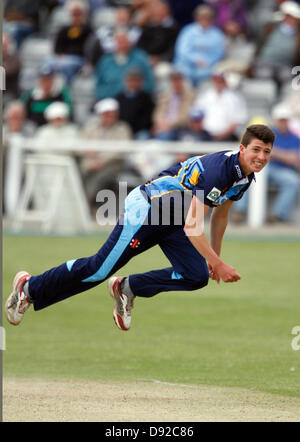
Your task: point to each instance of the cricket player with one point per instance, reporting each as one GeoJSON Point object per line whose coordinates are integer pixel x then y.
{"type": "Point", "coordinates": [168, 211]}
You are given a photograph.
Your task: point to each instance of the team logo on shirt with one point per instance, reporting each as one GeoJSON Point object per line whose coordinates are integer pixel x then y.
{"type": "Point", "coordinates": [214, 194]}
{"type": "Point", "coordinates": [134, 243]}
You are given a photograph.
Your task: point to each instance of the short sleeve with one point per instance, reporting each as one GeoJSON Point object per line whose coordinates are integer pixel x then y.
{"type": "Point", "coordinates": [210, 187]}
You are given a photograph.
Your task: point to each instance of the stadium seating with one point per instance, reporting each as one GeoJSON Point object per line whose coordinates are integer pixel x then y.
{"type": "Point", "coordinates": [33, 53]}
{"type": "Point", "coordinates": [83, 97]}
{"type": "Point", "coordinates": [103, 16]}
{"type": "Point", "coordinates": [260, 95]}
{"type": "Point", "coordinates": [59, 17]}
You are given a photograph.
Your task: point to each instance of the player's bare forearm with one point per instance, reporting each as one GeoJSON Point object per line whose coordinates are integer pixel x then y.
{"type": "Point", "coordinates": [194, 229]}
{"type": "Point", "coordinates": [218, 224]}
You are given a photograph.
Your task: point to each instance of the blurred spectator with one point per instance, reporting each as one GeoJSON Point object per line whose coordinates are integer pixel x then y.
{"type": "Point", "coordinates": [15, 127]}
{"type": "Point", "coordinates": [194, 131]}
{"type": "Point", "coordinates": [159, 34]}
{"type": "Point", "coordinates": [21, 18]}
{"type": "Point", "coordinates": [58, 125]}
{"type": "Point", "coordinates": [259, 13]}
{"type": "Point", "coordinates": [15, 121]}
{"type": "Point", "coordinates": [136, 105]}
{"type": "Point", "coordinates": [230, 16]}
{"type": "Point", "coordinates": [141, 11]}
{"type": "Point", "coordinates": [70, 41]}
{"type": "Point", "coordinates": [103, 41]}
{"type": "Point", "coordinates": [11, 64]}
{"type": "Point", "coordinates": [279, 47]}
{"type": "Point", "coordinates": [100, 169]}
{"type": "Point", "coordinates": [111, 68]}
{"type": "Point", "coordinates": [283, 170]}
{"type": "Point", "coordinates": [46, 92]}
{"type": "Point", "coordinates": [199, 46]}
{"type": "Point", "coordinates": [225, 109]}
{"type": "Point", "coordinates": [172, 107]}
{"type": "Point", "coordinates": [94, 5]}
{"type": "Point", "coordinates": [183, 11]}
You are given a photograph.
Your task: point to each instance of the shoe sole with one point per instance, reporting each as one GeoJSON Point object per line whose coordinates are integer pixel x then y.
{"type": "Point", "coordinates": [15, 281]}
{"type": "Point", "coordinates": [117, 317]}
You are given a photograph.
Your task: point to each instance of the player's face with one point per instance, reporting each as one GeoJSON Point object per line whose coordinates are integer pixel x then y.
{"type": "Point", "coordinates": [254, 156]}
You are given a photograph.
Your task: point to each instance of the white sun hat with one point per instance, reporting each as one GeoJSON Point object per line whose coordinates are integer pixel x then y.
{"type": "Point", "coordinates": [290, 8]}
{"type": "Point", "coordinates": [281, 112]}
{"type": "Point", "coordinates": [57, 109]}
{"type": "Point", "coordinates": [106, 105]}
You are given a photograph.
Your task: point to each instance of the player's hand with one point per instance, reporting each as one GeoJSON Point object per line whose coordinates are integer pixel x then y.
{"type": "Point", "coordinates": [224, 272]}
{"type": "Point", "coordinates": [211, 272]}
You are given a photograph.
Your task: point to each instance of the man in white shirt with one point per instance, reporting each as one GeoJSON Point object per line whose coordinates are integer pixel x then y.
{"type": "Point", "coordinates": [58, 126]}
{"type": "Point", "coordinates": [225, 109]}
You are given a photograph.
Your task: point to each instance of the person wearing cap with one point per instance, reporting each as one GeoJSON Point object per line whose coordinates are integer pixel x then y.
{"type": "Point", "coordinates": [283, 170]}
{"type": "Point", "coordinates": [194, 131]}
{"type": "Point", "coordinates": [225, 109]}
{"type": "Point", "coordinates": [172, 107]}
{"type": "Point", "coordinates": [136, 105]}
{"type": "Point", "coordinates": [47, 91]}
{"type": "Point", "coordinates": [100, 169]}
{"type": "Point", "coordinates": [278, 49]}
{"type": "Point", "coordinates": [57, 129]}
{"type": "Point", "coordinates": [284, 166]}
{"type": "Point", "coordinates": [199, 46]}
{"type": "Point", "coordinates": [58, 125]}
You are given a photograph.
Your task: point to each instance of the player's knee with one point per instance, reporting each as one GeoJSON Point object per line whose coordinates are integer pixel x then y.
{"type": "Point", "coordinates": [197, 282]}
{"type": "Point", "coordinates": [202, 283]}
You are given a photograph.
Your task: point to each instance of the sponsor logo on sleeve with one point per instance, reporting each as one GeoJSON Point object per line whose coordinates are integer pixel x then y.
{"type": "Point", "coordinates": [214, 194]}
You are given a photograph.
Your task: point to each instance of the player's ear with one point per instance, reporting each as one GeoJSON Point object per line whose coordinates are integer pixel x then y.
{"type": "Point", "coordinates": [242, 148]}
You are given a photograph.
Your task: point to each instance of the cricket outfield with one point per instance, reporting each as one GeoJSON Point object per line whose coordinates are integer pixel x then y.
{"type": "Point", "coordinates": [223, 353]}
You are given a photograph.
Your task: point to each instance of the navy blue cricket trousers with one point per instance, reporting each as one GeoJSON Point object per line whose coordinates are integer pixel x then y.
{"type": "Point", "coordinates": [132, 235]}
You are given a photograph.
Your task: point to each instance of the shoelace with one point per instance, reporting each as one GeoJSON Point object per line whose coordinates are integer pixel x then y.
{"type": "Point", "coordinates": [130, 304]}
{"type": "Point", "coordinates": [24, 304]}
{"type": "Point", "coordinates": [14, 301]}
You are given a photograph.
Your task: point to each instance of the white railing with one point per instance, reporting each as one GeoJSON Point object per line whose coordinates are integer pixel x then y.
{"type": "Point", "coordinates": [147, 149]}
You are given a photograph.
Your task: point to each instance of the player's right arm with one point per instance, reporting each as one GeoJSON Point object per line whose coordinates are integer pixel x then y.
{"type": "Point", "coordinates": [194, 229]}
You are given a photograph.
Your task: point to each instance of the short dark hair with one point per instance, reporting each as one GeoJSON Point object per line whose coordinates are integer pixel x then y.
{"type": "Point", "coordinates": [259, 131]}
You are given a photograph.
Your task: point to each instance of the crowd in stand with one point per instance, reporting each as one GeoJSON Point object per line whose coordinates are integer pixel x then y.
{"type": "Point", "coordinates": [162, 69]}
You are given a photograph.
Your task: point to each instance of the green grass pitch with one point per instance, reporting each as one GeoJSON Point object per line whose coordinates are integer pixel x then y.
{"type": "Point", "coordinates": [227, 335]}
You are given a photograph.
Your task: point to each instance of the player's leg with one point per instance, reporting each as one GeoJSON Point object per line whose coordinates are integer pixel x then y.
{"type": "Point", "coordinates": [189, 269]}
{"type": "Point", "coordinates": [81, 274]}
